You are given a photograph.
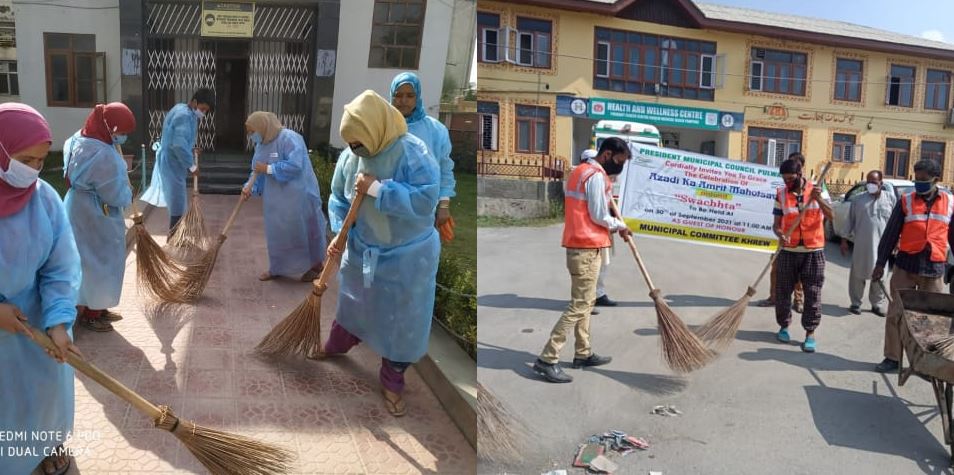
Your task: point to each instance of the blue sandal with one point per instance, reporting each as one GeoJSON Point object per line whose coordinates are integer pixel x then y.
{"type": "Point", "coordinates": [783, 336]}
{"type": "Point", "coordinates": [809, 345]}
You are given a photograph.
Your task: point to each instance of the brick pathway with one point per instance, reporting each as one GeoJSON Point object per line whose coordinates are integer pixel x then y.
{"type": "Point", "coordinates": [196, 359]}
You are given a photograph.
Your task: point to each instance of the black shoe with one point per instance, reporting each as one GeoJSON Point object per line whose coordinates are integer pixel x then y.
{"type": "Point", "coordinates": [551, 372]}
{"type": "Point", "coordinates": [593, 360]}
{"type": "Point", "coordinates": [855, 309]}
{"type": "Point", "coordinates": [594, 312]}
{"type": "Point", "coordinates": [877, 311]}
{"type": "Point", "coordinates": [887, 366]}
{"type": "Point", "coordinates": [605, 301]}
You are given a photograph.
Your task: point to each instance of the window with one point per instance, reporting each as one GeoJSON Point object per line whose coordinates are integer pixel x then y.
{"type": "Point", "coordinates": [642, 63]}
{"type": "Point", "coordinates": [75, 72]}
{"type": "Point", "coordinates": [900, 91]}
{"type": "Point", "coordinates": [772, 146]}
{"type": "Point", "coordinates": [896, 156]}
{"type": "Point", "coordinates": [933, 151]}
{"type": "Point", "coordinates": [396, 34]}
{"type": "Point", "coordinates": [782, 72]}
{"type": "Point", "coordinates": [489, 113]}
{"type": "Point", "coordinates": [848, 74]}
{"type": "Point", "coordinates": [533, 129]}
{"type": "Point", "coordinates": [844, 148]}
{"type": "Point", "coordinates": [9, 84]}
{"type": "Point", "coordinates": [8, 34]}
{"type": "Point", "coordinates": [533, 42]}
{"type": "Point", "coordinates": [937, 90]}
{"type": "Point", "coordinates": [488, 29]}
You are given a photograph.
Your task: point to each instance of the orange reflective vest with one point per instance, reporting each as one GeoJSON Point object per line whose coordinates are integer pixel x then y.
{"type": "Point", "coordinates": [923, 226]}
{"type": "Point", "coordinates": [810, 231]}
{"type": "Point", "coordinates": [579, 229]}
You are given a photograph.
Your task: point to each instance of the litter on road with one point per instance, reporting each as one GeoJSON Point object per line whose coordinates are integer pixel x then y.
{"type": "Point", "coordinates": [667, 411]}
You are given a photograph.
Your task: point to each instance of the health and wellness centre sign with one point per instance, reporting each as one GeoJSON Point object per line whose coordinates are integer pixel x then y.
{"type": "Point", "coordinates": [649, 113]}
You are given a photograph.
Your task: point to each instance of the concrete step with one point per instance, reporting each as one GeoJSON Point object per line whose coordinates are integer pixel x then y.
{"type": "Point", "coordinates": [220, 189]}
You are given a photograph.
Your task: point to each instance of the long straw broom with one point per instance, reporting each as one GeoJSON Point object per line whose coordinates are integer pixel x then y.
{"type": "Point", "coordinates": [683, 351]}
{"type": "Point", "coordinates": [501, 437]}
{"type": "Point", "coordinates": [220, 452]}
{"type": "Point", "coordinates": [190, 233]}
{"type": "Point", "coordinates": [720, 330]}
{"type": "Point", "coordinates": [196, 276]}
{"type": "Point", "coordinates": [300, 331]}
{"type": "Point", "coordinates": [156, 271]}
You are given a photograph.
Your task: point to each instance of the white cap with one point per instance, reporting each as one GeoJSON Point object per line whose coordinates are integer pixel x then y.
{"type": "Point", "coordinates": [587, 154]}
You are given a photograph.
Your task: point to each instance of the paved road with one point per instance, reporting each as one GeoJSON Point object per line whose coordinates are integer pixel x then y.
{"type": "Point", "coordinates": [763, 407]}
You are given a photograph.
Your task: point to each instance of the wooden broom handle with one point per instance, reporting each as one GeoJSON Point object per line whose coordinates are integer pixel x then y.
{"type": "Point", "coordinates": [195, 177]}
{"type": "Point", "coordinates": [96, 374]}
{"type": "Point", "coordinates": [632, 248]}
{"type": "Point", "coordinates": [238, 206]}
{"type": "Point", "coordinates": [798, 220]}
{"type": "Point", "coordinates": [340, 242]}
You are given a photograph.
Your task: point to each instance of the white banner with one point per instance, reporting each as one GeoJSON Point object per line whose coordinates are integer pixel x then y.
{"type": "Point", "coordinates": [697, 198]}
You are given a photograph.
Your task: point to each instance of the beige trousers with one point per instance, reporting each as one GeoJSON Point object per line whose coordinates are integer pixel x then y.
{"type": "Point", "coordinates": [901, 280]}
{"type": "Point", "coordinates": [584, 266]}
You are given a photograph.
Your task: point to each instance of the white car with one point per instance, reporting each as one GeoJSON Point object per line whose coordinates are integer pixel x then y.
{"type": "Point", "coordinates": [835, 229]}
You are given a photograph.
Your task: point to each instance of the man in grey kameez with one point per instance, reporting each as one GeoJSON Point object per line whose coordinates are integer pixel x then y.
{"type": "Point", "coordinates": [866, 223]}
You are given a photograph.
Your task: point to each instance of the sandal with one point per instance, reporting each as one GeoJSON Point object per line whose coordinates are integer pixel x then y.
{"type": "Point", "coordinates": [110, 316]}
{"type": "Point", "coordinates": [394, 403]}
{"type": "Point", "coordinates": [48, 464]}
{"type": "Point", "coordinates": [96, 325]}
{"type": "Point", "coordinates": [264, 276]}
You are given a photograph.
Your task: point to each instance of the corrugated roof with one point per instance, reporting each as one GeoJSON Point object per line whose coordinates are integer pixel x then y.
{"type": "Point", "coordinates": [815, 25]}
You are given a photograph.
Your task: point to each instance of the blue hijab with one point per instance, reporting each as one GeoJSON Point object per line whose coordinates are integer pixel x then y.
{"type": "Point", "coordinates": [415, 82]}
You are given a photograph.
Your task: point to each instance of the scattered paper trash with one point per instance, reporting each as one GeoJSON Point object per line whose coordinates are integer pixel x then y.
{"type": "Point", "coordinates": [667, 411]}
{"type": "Point", "coordinates": [655, 473]}
{"type": "Point", "coordinates": [603, 464]}
{"type": "Point", "coordinates": [555, 472]}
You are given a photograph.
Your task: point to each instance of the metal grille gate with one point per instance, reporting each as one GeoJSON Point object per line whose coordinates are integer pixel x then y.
{"type": "Point", "coordinates": [178, 61]}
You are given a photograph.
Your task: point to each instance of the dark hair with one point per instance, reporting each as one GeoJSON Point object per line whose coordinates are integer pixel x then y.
{"type": "Point", "coordinates": [880, 174]}
{"type": "Point", "coordinates": [204, 95]}
{"type": "Point", "coordinates": [797, 156]}
{"type": "Point", "coordinates": [928, 166]}
{"type": "Point", "coordinates": [792, 165]}
{"type": "Point", "coordinates": [615, 145]}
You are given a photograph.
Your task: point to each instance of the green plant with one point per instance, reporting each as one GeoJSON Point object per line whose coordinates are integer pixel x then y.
{"type": "Point", "coordinates": [455, 304]}
{"type": "Point", "coordinates": [324, 169]}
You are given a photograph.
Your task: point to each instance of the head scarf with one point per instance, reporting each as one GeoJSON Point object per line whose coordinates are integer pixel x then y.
{"type": "Point", "coordinates": [21, 127]}
{"type": "Point", "coordinates": [372, 121]}
{"type": "Point", "coordinates": [412, 79]}
{"type": "Point", "coordinates": [266, 124]}
{"type": "Point", "coordinates": [106, 120]}
{"type": "Point", "coordinates": [587, 154]}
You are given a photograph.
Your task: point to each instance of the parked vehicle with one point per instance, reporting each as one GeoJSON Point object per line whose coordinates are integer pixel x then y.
{"type": "Point", "coordinates": [836, 228]}
{"type": "Point", "coordinates": [628, 131]}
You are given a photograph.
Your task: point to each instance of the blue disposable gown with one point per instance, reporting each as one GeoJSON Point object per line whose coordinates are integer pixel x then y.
{"type": "Point", "coordinates": [389, 268]}
{"type": "Point", "coordinates": [294, 223]}
{"type": "Point", "coordinates": [97, 177]}
{"type": "Point", "coordinates": [41, 276]}
{"type": "Point", "coordinates": [173, 161]}
{"type": "Point", "coordinates": [431, 131]}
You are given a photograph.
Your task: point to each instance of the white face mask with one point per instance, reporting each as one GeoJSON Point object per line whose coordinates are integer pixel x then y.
{"type": "Point", "coordinates": [18, 175]}
{"type": "Point", "coordinates": [873, 188]}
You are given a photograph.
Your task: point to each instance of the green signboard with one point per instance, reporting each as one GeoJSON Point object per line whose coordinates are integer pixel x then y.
{"type": "Point", "coordinates": [658, 114]}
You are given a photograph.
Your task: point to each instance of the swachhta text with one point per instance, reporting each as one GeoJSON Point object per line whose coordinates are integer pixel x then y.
{"type": "Point", "coordinates": [45, 443]}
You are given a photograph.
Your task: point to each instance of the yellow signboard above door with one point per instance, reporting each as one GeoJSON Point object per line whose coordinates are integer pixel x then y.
{"type": "Point", "coordinates": [228, 19]}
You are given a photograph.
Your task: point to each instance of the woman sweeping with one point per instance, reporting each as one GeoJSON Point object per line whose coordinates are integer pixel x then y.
{"type": "Point", "coordinates": [388, 270]}
{"type": "Point", "coordinates": [294, 223]}
{"type": "Point", "coordinates": [99, 191]}
{"type": "Point", "coordinates": [39, 282]}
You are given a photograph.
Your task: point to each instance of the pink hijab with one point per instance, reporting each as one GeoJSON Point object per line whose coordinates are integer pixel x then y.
{"type": "Point", "coordinates": [21, 127]}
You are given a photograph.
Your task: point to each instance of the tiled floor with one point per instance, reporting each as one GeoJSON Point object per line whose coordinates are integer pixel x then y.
{"type": "Point", "coordinates": [197, 359]}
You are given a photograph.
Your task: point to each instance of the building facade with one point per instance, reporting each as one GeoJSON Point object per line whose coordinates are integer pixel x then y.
{"type": "Point", "coordinates": [301, 59]}
{"type": "Point", "coordinates": [725, 81]}
{"type": "Point", "coordinates": [9, 77]}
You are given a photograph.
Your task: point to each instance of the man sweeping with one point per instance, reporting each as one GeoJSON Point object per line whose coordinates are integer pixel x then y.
{"type": "Point", "coordinates": [802, 257]}
{"type": "Point", "coordinates": [174, 160]}
{"type": "Point", "coordinates": [920, 229]}
{"type": "Point", "coordinates": [867, 219]}
{"type": "Point", "coordinates": [586, 237]}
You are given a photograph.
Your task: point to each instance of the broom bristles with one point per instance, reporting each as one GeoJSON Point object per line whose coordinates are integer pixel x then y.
{"type": "Point", "coordinates": [190, 232]}
{"type": "Point", "coordinates": [720, 330]}
{"type": "Point", "coordinates": [196, 276]}
{"type": "Point", "coordinates": [157, 272]}
{"type": "Point", "coordinates": [225, 453]}
{"type": "Point", "coordinates": [944, 347]}
{"type": "Point", "coordinates": [500, 436]}
{"type": "Point", "coordinates": [298, 333]}
{"type": "Point", "coordinates": [682, 349]}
